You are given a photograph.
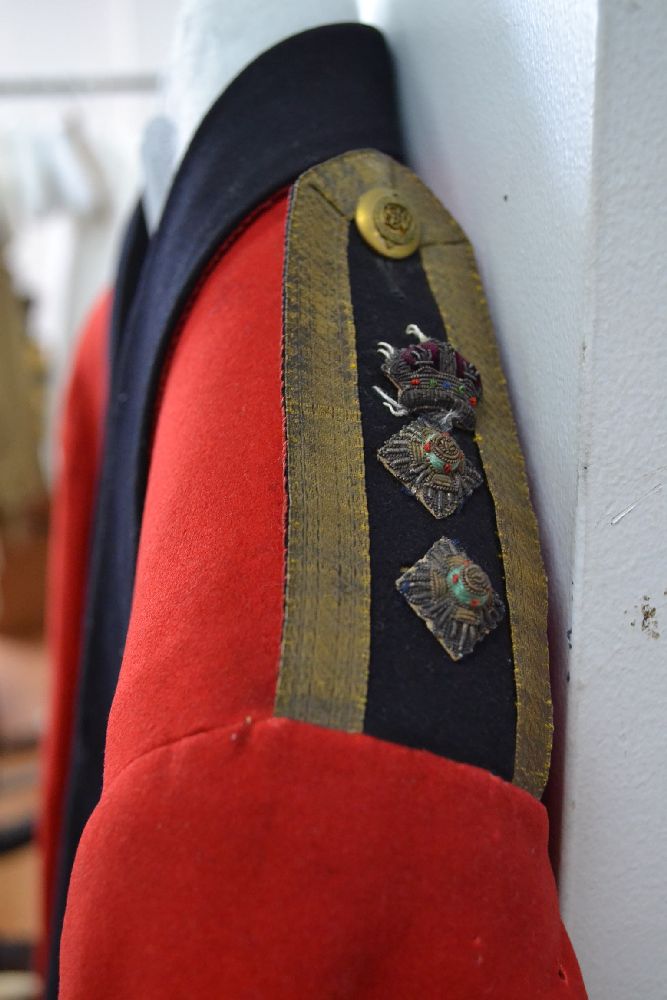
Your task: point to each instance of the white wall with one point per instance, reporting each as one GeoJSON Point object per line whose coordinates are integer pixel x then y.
{"type": "Point", "coordinates": [41, 40]}
{"type": "Point", "coordinates": [497, 100]}
{"type": "Point", "coordinates": [545, 135]}
{"type": "Point", "coordinates": [614, 865]}
{"type": "Point", "coordinates": [76, 36]}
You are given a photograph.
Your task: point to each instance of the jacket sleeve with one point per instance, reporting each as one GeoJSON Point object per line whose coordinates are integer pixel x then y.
{"type": "Point", "coordinates": [279, 860]}
{"type": "Point", "coordinates": [79, 448]}
{"type": "Point", "coordinates": [240, 855]}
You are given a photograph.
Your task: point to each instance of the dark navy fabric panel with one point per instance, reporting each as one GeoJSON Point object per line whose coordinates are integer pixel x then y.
{"type": "Point", "coordinates": [417, 695]}
{"type": "Point", "coordinates": [312, 97]}
{"type": "Point", "coordinates": [132, 256]}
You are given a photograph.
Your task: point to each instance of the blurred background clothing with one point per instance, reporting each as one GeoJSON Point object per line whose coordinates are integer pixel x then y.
{"type": "Point", "coordinates": [78, 84]}
{"type": "Point", "coordinates": [23, 675]}
{"type": "Point", "coordinates": [21, 370]}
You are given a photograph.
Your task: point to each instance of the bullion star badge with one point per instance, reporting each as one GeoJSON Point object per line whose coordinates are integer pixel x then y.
{"type": "Point", "coordinates": [431, 465]}
{"type": "Point", "coordinates": [454, 597]}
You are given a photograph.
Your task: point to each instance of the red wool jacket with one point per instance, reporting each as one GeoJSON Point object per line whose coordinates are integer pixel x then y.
{"type": "Point", "coordinates": [234, 854]}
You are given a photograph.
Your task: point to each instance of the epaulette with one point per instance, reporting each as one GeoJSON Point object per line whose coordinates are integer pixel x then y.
{"type": "Point", "coordinates": [415, 604]}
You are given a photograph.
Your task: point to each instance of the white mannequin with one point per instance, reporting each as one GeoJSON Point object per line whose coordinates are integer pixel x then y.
{"type": "Point", "coordinates": [214, 40]}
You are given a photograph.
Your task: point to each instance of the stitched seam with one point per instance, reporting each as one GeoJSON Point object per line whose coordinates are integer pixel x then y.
{"type": "Point", "coordinates": [205, 730]}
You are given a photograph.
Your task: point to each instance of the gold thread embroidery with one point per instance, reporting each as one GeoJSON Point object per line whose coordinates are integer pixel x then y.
{"type": "Point", "coordinates": [326, 634]}
{"type": "Point", "coordinates": [452, 275]}
{"type": "Point", "coordinates": [324, 664]}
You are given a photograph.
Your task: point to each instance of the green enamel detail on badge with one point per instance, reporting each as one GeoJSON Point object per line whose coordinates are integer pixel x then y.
{"type": "Point", "coordinates": [454, 597]}
{"type": "Point", "coordinates": [442, 453]}
{"type": "Point", "coordinates": [435, 462]}
{"type": "Point", "coordinates": [459, 580]}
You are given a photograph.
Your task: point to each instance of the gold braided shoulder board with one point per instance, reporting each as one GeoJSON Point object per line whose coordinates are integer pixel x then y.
{"type": "Point", "coordinates": [324, 664]}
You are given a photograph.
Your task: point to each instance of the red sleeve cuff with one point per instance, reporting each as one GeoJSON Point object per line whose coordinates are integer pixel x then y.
{"type": "Point", "coordinates": [281, 860]}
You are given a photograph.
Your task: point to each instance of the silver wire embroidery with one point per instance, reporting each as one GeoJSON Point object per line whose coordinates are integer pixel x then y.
{"type": "Point", "coordinates": [430, 375]}
{"type": "Point", "coordinates": [429, 462]}
{"type": "Point", "coordinates": [453, 596]}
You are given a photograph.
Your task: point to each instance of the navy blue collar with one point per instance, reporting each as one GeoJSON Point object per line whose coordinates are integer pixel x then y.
{"type": "Point", "coordinates": [312, 97]}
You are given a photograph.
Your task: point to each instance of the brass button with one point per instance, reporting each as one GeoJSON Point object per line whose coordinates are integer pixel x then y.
{"type": "Point", "coordinates": [387, 222]}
